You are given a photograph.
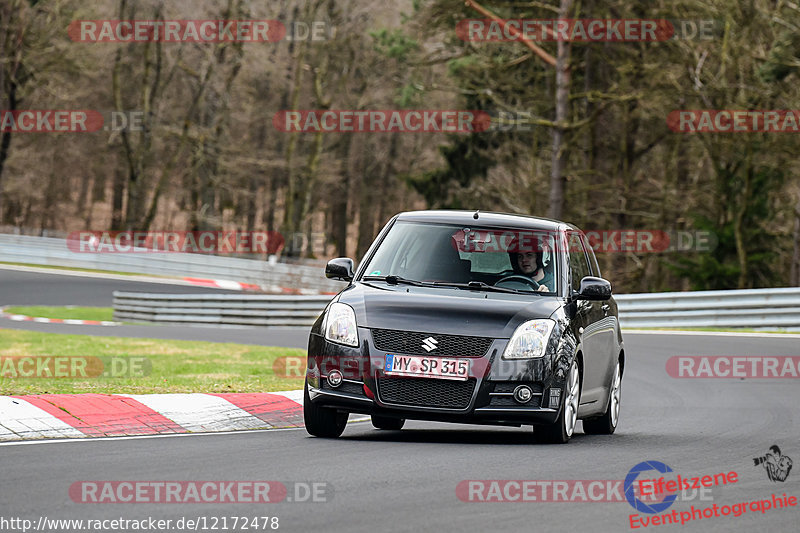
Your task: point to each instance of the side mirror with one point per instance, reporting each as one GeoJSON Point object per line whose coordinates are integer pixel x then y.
{"type": "Point", "coordinates": [340, 268]}
{"type": "Point", "coordinates": [593, 288]}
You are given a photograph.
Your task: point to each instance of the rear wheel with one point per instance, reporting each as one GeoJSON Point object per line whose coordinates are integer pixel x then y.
{"type": "Point", "coordinates": [322, 421]}
{"type": "Point", "coordinates": [387, 422]}
{"type": "Point", "coordinates": [607, 424]}
{"type": "Point", "coordinates": [561, 431]}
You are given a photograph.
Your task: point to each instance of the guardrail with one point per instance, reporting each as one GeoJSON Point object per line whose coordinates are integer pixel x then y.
{"type": "Point", "coordinates": [757, 309]}
{"type": "Point", "coordinates": [47, 251]}
{"type": "Point", "coordinates": [219, 309]}
{"type": "Point", "coordinates": [754, 308]}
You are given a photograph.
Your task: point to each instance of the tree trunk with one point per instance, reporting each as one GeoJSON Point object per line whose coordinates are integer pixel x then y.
{"type": "Point", "coordinates": [794, 279]}
{"type": "Point", "coordinates": [738, 228]}
{"type": "Point", "coordinates": [366, 205]}
{"type": "Point", "coordinates": [9, 67]}
{"type": "Point", "coordinates": [365, 223]}
{"type": "Point", "coordinates": [563, 77]}
{"type": "Point", "coordinates": [117, 196]}
{"type": "Point", "coordinates": [387, 206]}
{"type": "Point", "coordinates": [340, 196]}
{"type": "Point", "coordinates": [47, 220]}
{"type": "Point", "coordinates": [83, 195]}
{"type": "Point", "coordinates": [5, 138]}
{"type": "Point", "coordinates": [5, 142]}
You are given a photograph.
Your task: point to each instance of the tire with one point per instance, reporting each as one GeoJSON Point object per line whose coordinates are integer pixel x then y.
{"type": "Point", "coordinates": [388, 423]}
{"type": "Point", "coordinates": [322, 421]}
{"type": "Point", "coordinates": [607, 423]}
{"type": "Point", "coordinates": [564, 427]}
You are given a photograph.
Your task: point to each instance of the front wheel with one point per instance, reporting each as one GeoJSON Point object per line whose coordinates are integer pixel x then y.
{"type": "Point", "coordinates": [561, 431]}
{"type": "Point", "coordinates": [322, 421]}
{"type": "Point", "coordinates": [387, 422]}
{"type": "Point", "coordinates": [607, 423]}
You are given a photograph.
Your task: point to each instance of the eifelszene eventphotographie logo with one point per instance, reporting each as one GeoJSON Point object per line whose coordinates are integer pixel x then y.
{"type": "Point", "coordinates": [777, 466]}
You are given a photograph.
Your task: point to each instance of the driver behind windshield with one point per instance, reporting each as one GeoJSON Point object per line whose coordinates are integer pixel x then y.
{"type": "Point", "coordinates": [531, 264]}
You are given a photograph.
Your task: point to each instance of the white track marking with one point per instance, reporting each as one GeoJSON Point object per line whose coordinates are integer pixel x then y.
{"type": "Point", "coordinates": [20, 419]}
{"type": "Point", "coordinates": [137, 437]}
{"type": "Point", "coordinates": [360, 419]}
{"type": "Point", "coordinates": [200, 412]}
{"type": "Point", "coordinates": [294, 395]}
{"type": "Point", "coordinates": [227, 284]}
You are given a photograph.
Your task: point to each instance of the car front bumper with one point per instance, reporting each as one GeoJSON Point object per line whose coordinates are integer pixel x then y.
{"type": "Point", "coordinates": [485, 399]}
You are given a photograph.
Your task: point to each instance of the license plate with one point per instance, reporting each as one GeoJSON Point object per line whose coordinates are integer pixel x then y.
{"type": "Point", "coordinates": [426, 367]}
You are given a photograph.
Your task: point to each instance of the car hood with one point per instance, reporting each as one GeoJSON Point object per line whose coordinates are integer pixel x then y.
{"type": "Point", "coordinates": [445, 310]}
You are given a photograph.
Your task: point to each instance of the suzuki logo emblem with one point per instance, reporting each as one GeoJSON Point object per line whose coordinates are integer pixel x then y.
{"type": "Point", "coordinates": [429, 344]}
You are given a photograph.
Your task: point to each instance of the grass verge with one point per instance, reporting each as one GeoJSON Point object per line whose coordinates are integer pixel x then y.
{"type": "Point", "coordinates": [168, 366]}
{"type": "Point", "coordinates": [69, 312]}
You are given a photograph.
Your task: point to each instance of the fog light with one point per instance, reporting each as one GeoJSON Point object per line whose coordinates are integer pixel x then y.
{"type": "Point", "coordinates": [334, 378]}
{"type": "Point", "coordinates": [555, 398]}
{"type": "Point", "coordinates": [523, 394]}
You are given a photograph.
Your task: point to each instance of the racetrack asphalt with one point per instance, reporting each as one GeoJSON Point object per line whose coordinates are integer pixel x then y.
{"type": "Point", "coordinates": [406, 480]}
{"type": "Point", "coordinates": [31, 287]}
{"type": "Point", "coordinates": [61, 289]}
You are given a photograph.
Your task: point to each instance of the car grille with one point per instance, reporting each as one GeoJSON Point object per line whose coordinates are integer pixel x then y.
{"type": "Point", "coordinates": [508, 401]}
{"type": "Point", "coordinates": [346, 386]}
{"type": "Point", "coordinates": [411, 342]}
{"type": "Point", "coordinates": [427, 392]}
{"type": "Point", "coordinates": [509, 386]}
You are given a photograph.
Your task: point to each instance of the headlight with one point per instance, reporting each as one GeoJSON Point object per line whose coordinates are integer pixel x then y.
{"type": "Point", "coordinates": [340, 324]}
{"type": "Point", "coordinates": [530, 340]}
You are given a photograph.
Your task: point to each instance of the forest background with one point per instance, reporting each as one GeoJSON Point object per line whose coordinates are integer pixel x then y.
{"type": "Point", "coordinates": [593, 147]}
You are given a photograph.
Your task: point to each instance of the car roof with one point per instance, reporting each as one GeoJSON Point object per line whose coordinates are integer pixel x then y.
{"type": "Point", "coordinates": [485, 218]}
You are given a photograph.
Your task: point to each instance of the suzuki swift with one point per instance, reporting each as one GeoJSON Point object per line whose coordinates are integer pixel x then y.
{"type": "Point", "coordinates": [469, 317]}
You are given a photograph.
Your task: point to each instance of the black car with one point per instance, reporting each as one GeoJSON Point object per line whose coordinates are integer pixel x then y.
{"type": "Point", "coordinates": [471, 317]}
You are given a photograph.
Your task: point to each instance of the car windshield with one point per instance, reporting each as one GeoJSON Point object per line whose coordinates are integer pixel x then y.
{"type": "Point", "coordinates": [472, 257]}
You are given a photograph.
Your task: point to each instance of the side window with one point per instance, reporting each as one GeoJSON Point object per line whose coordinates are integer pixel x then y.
{"type": "Point", "coordinates": [592, 259]}
{"type": "Point", "coordinates": [578, 264]}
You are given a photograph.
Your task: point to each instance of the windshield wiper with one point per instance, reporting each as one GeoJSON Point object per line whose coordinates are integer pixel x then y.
{"type": "Point", "coordinates": [478, 286]}
{"type": "Point", "coordinates": [472, 285]}
{"type": "Point", "coordinates": [396, 280]}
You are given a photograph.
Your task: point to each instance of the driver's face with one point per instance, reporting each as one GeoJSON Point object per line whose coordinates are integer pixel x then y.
{"type": "Point", "coordinates": [527, 262]}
